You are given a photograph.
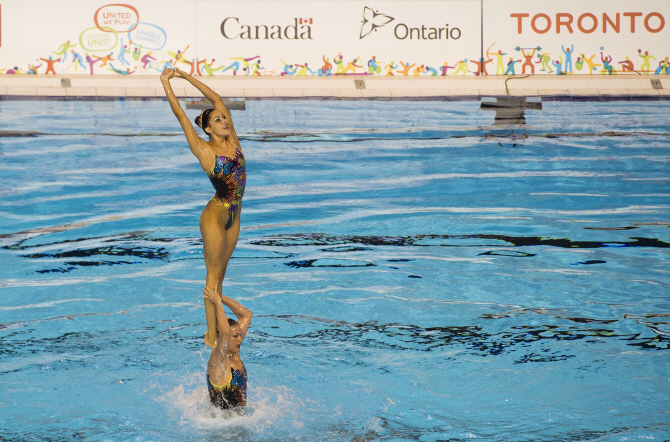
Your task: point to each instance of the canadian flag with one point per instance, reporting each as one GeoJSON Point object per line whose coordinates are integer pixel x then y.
{"type": "Point", "coordinates": [305, 21]}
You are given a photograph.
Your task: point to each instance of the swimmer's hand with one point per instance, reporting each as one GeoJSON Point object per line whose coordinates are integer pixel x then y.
{"type": "Point", "coordinates": [180, 74]}
{"type": "Point", "coordinates": [211, 295]}
{"type": "Point", "coordinates": [167, 74]}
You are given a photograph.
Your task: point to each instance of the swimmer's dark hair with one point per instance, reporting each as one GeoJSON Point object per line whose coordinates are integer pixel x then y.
{"type": "Point", "coordinates": [202, 120]}
{"type": "Point", "coordinates": [232, 322]}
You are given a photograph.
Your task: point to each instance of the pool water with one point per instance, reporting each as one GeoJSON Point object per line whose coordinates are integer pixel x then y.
{"type": "Point", "coordinates": [415, 273]}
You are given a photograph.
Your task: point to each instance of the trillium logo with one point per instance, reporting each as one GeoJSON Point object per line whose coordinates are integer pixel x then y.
{"type": "Point", "coordinates": [373, 20]}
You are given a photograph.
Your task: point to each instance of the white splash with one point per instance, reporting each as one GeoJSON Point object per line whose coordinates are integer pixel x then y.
{"type": "Point", "coordinates": [267, 408]}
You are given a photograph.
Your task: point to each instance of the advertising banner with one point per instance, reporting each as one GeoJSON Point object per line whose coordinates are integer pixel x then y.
{"type": "Point", "coordinates": [241, 37]}
{"type": "Point", "coordinates": [604, 37]}
{"type": "Point", "coordinates": [340, 37]}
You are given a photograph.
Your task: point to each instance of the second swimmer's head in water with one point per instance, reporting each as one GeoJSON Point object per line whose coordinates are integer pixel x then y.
{"type": "Point", "coordinates": [213, 122]}
{"type": "Point", "coordinates": [235, 337]}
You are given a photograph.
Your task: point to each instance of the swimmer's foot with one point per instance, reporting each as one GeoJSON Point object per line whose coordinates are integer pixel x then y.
{"type": "Point", "coordinates": [210, 341]}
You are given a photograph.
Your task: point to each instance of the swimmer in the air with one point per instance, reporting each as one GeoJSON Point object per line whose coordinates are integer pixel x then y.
{"type": "Point", "coordinates": [226, 375]}
{"type": "Point", "coordinates": [222, 159]}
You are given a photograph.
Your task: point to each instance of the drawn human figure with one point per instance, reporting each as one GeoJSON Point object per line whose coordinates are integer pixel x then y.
{"type": "Point", "coordinates": [304, 69]}
{"type": "Point", "coordinates": [198, 63]}
{"type": "Point", "coordinates": [591, 64]}
{"type": "Point", "coordinates": [17, 70]}
{"type": "Point", "coordinates": [176, 55]}
{"type": "Point", "coordinates": [510, 66]}
{"type": "Point", "coordinates": [326, 68]}
{"type": "Point", "coordinates": [90, 62]}
{"type": "Point", "coordinates": [373, 67]}
{"type": "Point", "coordinates": [389, 69]}
{"type": "Point", "coordinates": [113, 69]}
{"type": "Point", "coordinates": [256, 68]}
{"type": "Point", "coordinates": [662, 67]}
{"type": "Point", "coordinates": [166, 64]}
{"type": "Point", "coordinates": [105, 59]}
{"type": "Point", "coordinates": [568, 58]}
{"type": "Point", "coordinates": [234, 66]}
{"type": "Point", "coordinates": [607, 67]}
{"type": "Point", "coordinates": [627, 65]}
{"type": "Point", "coordinates": [210, 69]}
{"type": "Point", "coordinates": [445, 68]}
{"type": "Point", "coordinates": [419, 70]}
{"type": "Point", "coordinates": [500, 64]}
{"type": "Point", "coordinates": [645, 66]}
{"type": "Point", "coordinates": [431, 71]}
{"type": "Point", "coordinates": [351, 66]}
{"type": "Point", "coordinates": [481, 66]}
{"type": "Point", "coordinates": [32, 69]}
{"type": "Point", "coordinates": [62, 50]}
{"type": "Point", "coordinates": [50, 64]}
{"type": "Point", "coordinates": [145, 59]}
{"type": "Point", "coordinates": [544, 60]}
{"type": "Point", "coordinates": [405, 68]}
{"type": "Point", "coordinates": [559, 66]}
{"type": "Point", "coordinates": [339, 62]}
{"type": "Point", "coordinates": [190, 63]}
{"type": "Point", "coordinates": [289, 69]}
{"type": "Point", "coordinates": [137, 53]}
{"type": "Point", "coordinates": [528, 62]}
{"type": "Point", "coordinates": [123, 50]}
{"type": "Point", "coordinates": [462, 66]}
{"type": "Point", "coordinates": [77, 60]}
{"type": "Point", "coordinates": [246, 62]}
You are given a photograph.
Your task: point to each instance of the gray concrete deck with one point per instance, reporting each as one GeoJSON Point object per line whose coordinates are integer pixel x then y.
{"type": "Point", "coordinates": [337, 87]}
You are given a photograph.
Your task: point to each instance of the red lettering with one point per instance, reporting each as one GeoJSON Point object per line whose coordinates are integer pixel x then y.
{"type": "Point", "coordinates": [519, 17]}
{"type": "Point", "coordinates": [582, 28]}
{"type": "Point", "coordinates": [566, 19]}
{"type": "Point", "coordinates": [567, 23]}
{"type": "Point", "coordinates": [632, 16]}
{"type": "Point", "coordinates": [546, 29]}
{"type": "Point", "coordinates": [606, 19]}
{"type": "Point", "coordinates": [660, 27]}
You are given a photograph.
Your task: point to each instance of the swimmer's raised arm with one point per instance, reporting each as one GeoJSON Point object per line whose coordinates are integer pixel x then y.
{"type": "Point", "coordinates": [221, 322]}
{"type": "Point", "coordinates": [243, 314]}
{"type": "Point", "coordinates": [213, 98]}
{"type": "Point", "coordinates": [198, 146]}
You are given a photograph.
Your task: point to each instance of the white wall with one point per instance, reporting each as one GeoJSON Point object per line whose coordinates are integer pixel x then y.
{"type": "Point", "coordinates": [446, 31]}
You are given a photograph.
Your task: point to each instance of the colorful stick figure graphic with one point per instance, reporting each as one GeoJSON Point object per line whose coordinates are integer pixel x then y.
{"type": "Point", "coordinates": [568, 57]}
{"type": "Point", "coordinates": [405, 68]}
{"type": "Point", "coordinates": [50, 65]}
{"type": "Point", "coordinates": [645, 66]}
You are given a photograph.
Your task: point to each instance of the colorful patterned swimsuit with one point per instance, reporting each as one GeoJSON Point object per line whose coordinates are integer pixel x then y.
{"type": "Point", "coordinates": [233, 394]}
{"type": "Point", "coordinates": [229, 177]}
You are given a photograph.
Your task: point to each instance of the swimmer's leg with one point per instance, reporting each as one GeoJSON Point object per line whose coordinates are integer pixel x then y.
{"type": "Point", "coordinates": [232, 234]}
{"type": "Point", "coordinates": [218, 247]}
{"type": "Point", "coordinates": [212, 227]}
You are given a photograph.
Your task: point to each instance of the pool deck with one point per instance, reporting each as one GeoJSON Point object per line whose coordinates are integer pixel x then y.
{"type": "Point", "coordinates": [564, 87]}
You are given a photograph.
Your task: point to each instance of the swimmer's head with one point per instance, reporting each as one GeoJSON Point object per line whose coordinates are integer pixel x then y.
{"type": "Point", "coordinates": [202, 120]}
{"type": "Point", "coordinates": [213, 122]}
{"type": "Point", "coordinates": [235, 336]}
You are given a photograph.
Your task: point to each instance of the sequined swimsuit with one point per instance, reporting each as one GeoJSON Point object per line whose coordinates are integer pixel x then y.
{"type": "Point", "coordinates": [233, 394]}
{"type": "Point", "coordinates": [229, 177]}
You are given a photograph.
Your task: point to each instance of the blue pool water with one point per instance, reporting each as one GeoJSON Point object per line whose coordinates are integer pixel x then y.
{"type": "Point", "coordinates": [415, 273]}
